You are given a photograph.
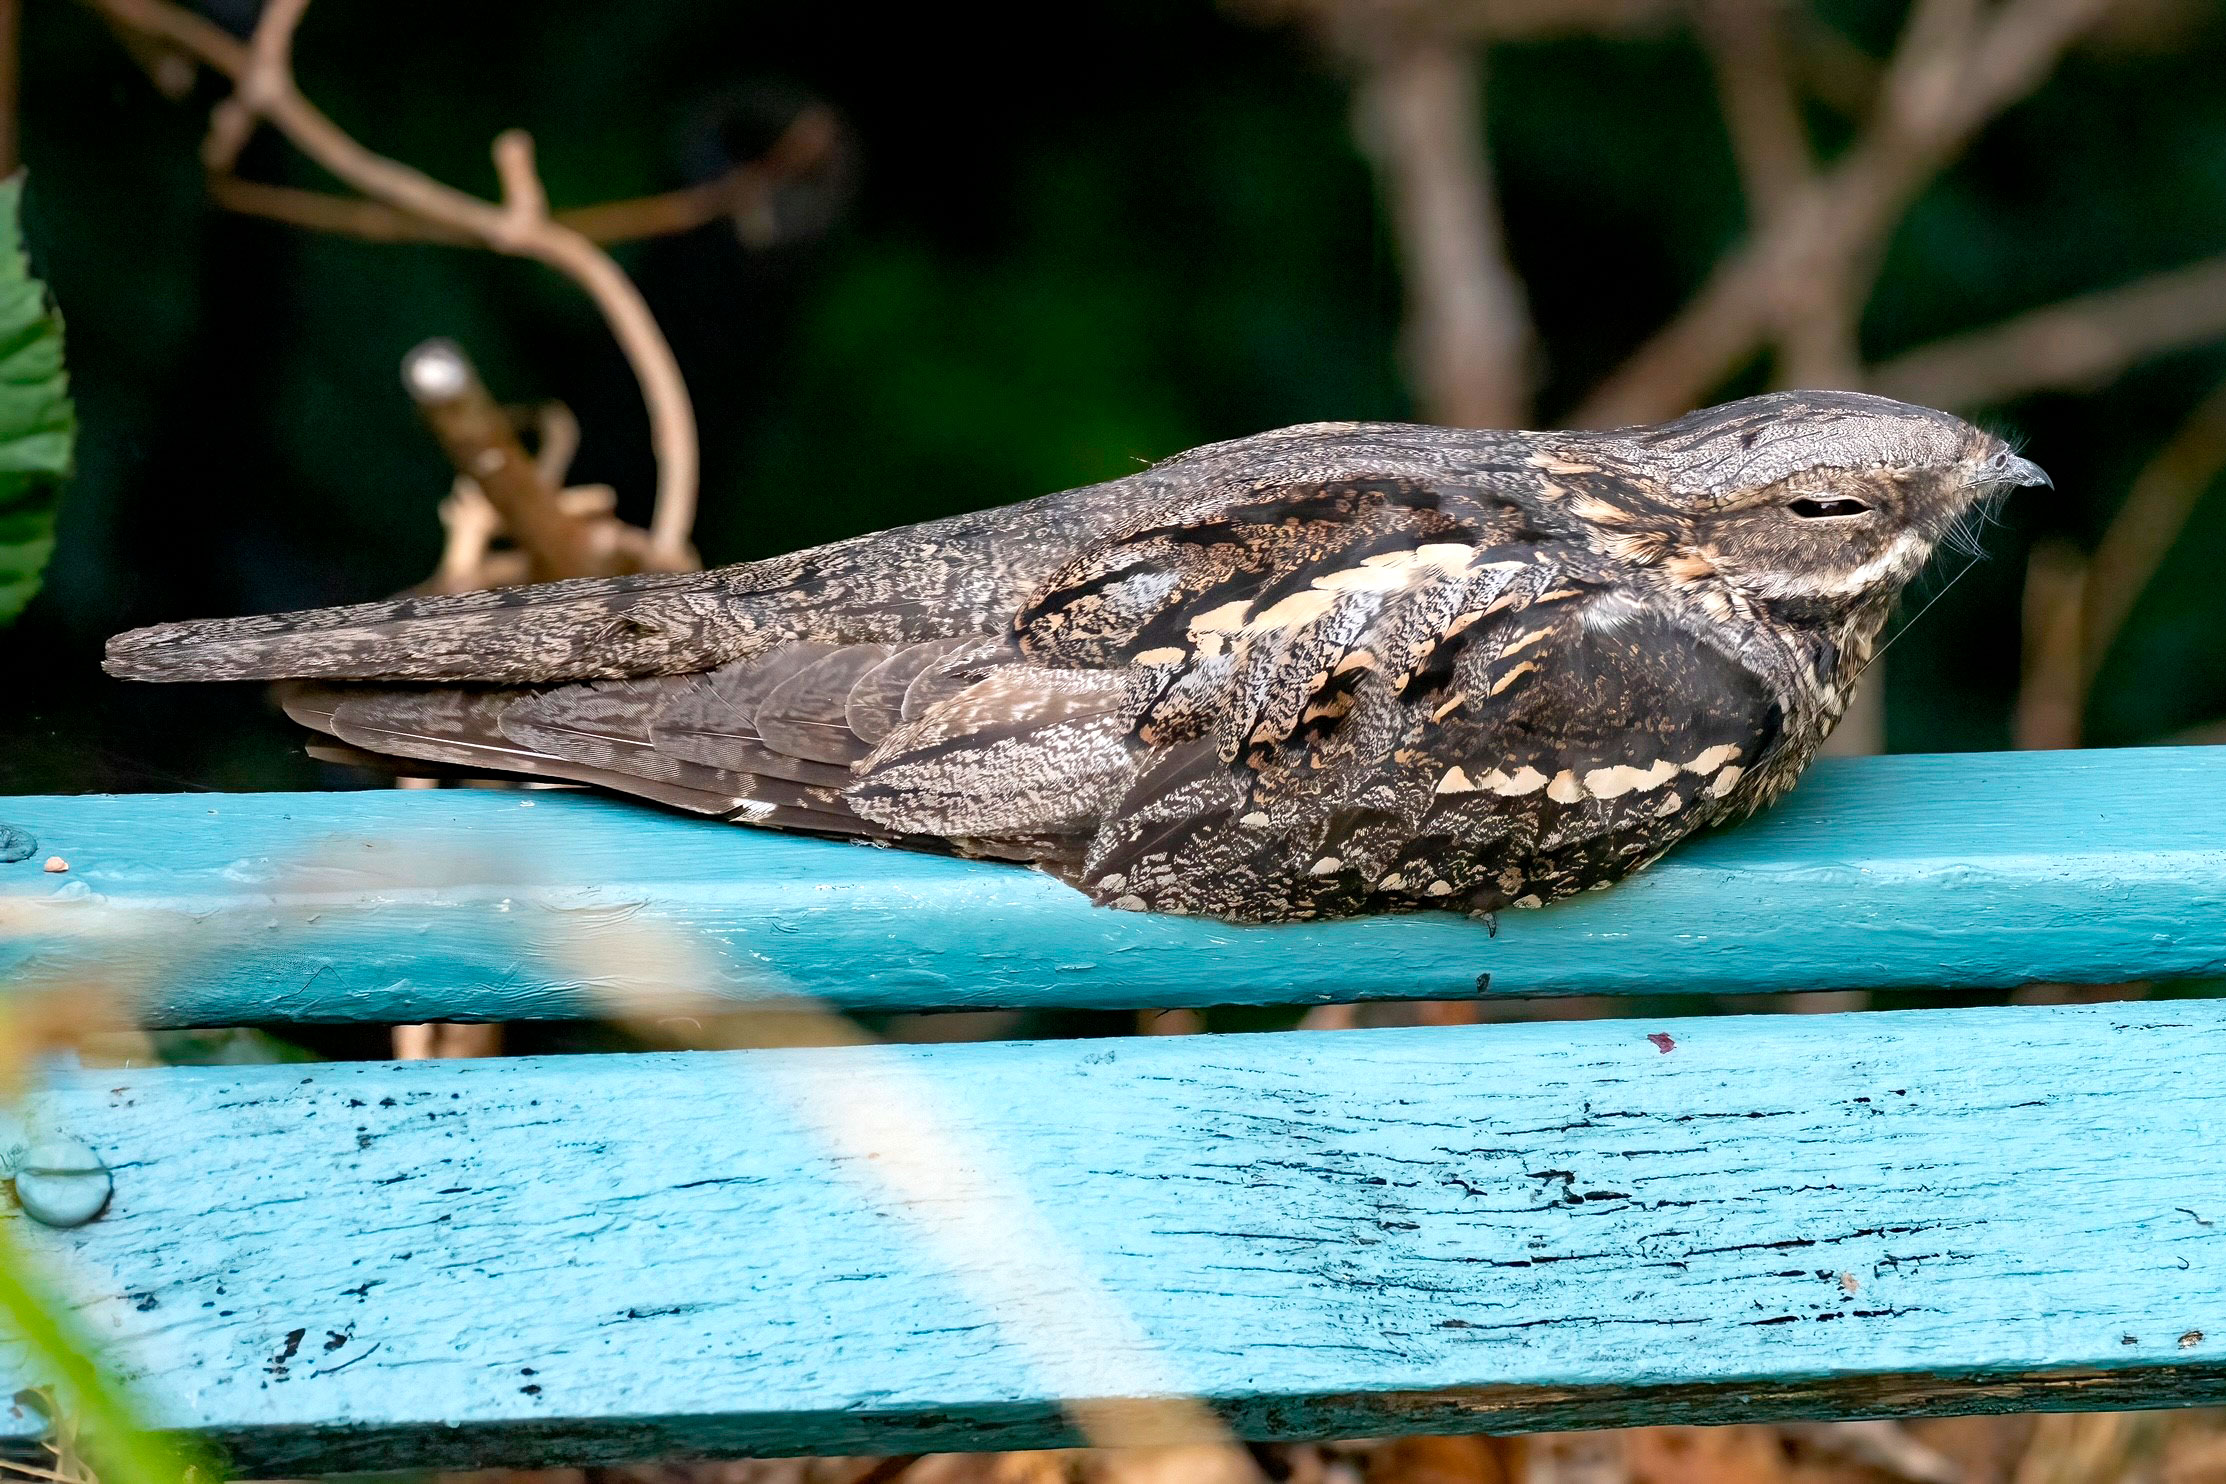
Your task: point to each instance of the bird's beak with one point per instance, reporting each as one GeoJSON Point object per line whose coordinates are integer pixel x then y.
{"type": "Point", "coordinates": [2006, 468]}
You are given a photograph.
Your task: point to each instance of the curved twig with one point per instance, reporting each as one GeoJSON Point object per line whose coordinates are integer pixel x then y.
{"type": "Point", "coordinates": [804, 146]}
{"type": "Point", "coordinates": [521, 226]}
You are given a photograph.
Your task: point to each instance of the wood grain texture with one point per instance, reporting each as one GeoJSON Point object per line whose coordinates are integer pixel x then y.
{"type": "Point", "coordinates": [1000, 1245]}
{"type": "Point", "coordinates": [1971, 871]}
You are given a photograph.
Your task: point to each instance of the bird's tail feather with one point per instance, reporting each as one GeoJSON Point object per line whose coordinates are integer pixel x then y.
{"type": "Point", "coordinates": [588, 628]}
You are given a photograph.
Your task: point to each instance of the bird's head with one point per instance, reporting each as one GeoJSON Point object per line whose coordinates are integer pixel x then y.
{"type": "Point", "coordinates": [1826, 501]}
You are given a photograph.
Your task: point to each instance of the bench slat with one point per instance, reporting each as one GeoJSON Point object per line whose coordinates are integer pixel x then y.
{"type": "Point", "coordinates": [902, 1249]}
{"type": "Point", "coordinates": [1970, 871]}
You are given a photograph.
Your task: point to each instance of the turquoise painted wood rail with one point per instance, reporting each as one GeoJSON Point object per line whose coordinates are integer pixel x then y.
{"type": "Point", "coordinates": [1973, 871]}
{"type": "Point", "coordinates": [375, 1265]}
{"type": "Point", "coordinates": [874, 1248]}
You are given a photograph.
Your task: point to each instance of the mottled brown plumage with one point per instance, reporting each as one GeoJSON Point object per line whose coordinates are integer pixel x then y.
{"type": "Point", "coordinates": [1340, 668]}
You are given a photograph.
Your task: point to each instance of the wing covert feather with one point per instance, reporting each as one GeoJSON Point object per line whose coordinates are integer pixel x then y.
{"type": "Point", "coordinates": [1301, 699]}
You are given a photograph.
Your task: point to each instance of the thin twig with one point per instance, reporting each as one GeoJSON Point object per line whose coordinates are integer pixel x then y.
{"type": "Point", "coordinates": [1952, 71]}
{"type": "Point", "coordinates": [1468, 328]}
{"type": "Point", "coordinates": [803, 147]}
{"type": "Point", "coordinates": [2051, 700]}
{"type": "Point", "coordinates": [1832, 69]}
{"type": "Point", "coordinates": [265, 91]}
{"type": "Point", "coordinates": [1814, 323]}
{"type": "Point", "coordinates": [1470, 20]}
{"type": "Point", "coordinates": [556, 440]}
{"type": "Point", "coordinates": [2076, 344]}
{"type": "Point", "coordinates": [11, 60]}
{"type": "Point", "coordinates": [2141, 534]}
{"type": "Point", "coordinates": [887, 1470]}
{"type": "Point", "coordinates": [2075, 610]}
{"type": "Point", "coordinates": [1884, 1447]}
{"type": "Point", "coordinates": [1762, 111]}
{"type": "Point", "coordinates": [483, 446]}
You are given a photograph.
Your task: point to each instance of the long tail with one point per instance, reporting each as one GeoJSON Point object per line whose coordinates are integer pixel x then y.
{"type": "Point", "coordinates": [588, 628]}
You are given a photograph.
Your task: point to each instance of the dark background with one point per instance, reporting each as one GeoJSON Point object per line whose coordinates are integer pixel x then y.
{"type": "Point", "coordinates": [1072, 247]}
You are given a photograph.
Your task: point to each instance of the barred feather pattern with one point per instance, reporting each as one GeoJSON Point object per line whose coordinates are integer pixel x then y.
{"type": "Point", "coordinates": [1334, 669]}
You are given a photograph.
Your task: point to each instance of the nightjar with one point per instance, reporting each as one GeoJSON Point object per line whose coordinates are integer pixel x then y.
{"type": "Point", "coordinates": [1339, 668]}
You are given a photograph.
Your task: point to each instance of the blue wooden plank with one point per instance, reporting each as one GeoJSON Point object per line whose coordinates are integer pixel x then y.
{"type": "Point", "coordinates": [1972, 871]}
{"type": "Point", "coordinates": [1002, 1245]}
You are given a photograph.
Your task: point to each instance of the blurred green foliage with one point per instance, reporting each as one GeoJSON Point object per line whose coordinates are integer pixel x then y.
{"type": "Point", "coordinates": [94, 1420]}
{"type": "Point", "coordinates": [1077, 245]}
{"type": "Point", "coordinates": [37, 425]}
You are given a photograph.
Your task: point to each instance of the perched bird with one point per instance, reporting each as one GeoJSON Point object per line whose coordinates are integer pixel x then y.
{"type": "Point", "coordinates": [1340, 668]}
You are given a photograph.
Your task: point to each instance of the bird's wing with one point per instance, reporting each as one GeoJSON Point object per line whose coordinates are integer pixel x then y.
{"type": "Point", "coordinates": [1296, 699]}
{"type": "Point", "coordinates": [770, 739]}
{"type": "Point", "coordinates": [1242, 624]}
{"type": "Point", "coordinates": [1328, 697]}
{"type": "Point", "coordinates": [1555, 745]}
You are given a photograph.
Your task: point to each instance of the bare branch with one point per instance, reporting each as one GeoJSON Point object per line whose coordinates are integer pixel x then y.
{"type": "Point", "coordinates": [11, 62]}
{"type": "Point", "coordinates": [2075, 609]}
{"type": "Point", "coordinates": [1833, 70]}
{"type": "Point", "coordinates": [319, 211]}
{"type": "Point", "coordinates": [2078, 343]}
{"type": "Point", "coordinates": [482, 445]}
{"type": "Point", "coordinates": [524, 203]}
{"type": "Point", "coordinates": [2141, 534]}
{"type": "Point", "coordinates": [262, 75]}
{"type": "Point", "coordinates": [1762, 112]}
{"type": "Point", "coordinates": [809, 143]}
{"type": "Point", "coordinates": [803, 147]}
{"type": "Point", "coordinates": [1814, 323]}
{"type": "Point", "coordinates": [1952, 72]}
{"type": "Point", "coordinates": [2051, 699]}
{"type": "Point", "coordinates": [557, 439]}
{"type": "Point", "coordinates": [1468, 20]}
{"type": "Point", "coordinates": [1468, 328]}
{"type": "Point", "coordinates": [1883, 1447]}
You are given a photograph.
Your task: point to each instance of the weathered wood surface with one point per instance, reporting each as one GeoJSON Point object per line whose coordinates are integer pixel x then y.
{"type": "Point", "coordinates": [1494, 1227]}
{"type": "Point", "coordinates": [1970, 871]}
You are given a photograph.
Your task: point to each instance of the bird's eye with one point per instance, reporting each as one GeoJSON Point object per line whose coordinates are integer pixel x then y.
{"type": "Point", "coordinates": [1810, 507]}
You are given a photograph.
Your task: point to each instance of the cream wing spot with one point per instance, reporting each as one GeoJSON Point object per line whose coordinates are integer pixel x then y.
{"type": "Point", "coordinates": [1524, 780]}
{"type": "Point", "coordinates": [1294, 612]}
{"type": "Point", "coordinates": [1565, 789]}
{"type": "Point", "coordinates": [1523, 643]}
{"type": "Point", "coordinates": [1525, 668]}
{"type": "Point", "coordinates": [1613, 783]}
{"type": "Point", "coordinates": [1726, 781]}
{"type": "Point", "coordinates": [1712, 759]}
{"type": "Point", "coordinates": [1456, 782]}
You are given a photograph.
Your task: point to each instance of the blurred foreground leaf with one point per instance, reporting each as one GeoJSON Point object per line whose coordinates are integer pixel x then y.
{"type": "Point", "coordinates": [37, 424]}
{"type": "Point", "coordinates": [120, 1450]}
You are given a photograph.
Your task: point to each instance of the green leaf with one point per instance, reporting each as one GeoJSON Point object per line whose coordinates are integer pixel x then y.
{"type": "Point", "coordinates": [38, 426]}
{"type": "Point", "coordinates": [33, 1313]}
